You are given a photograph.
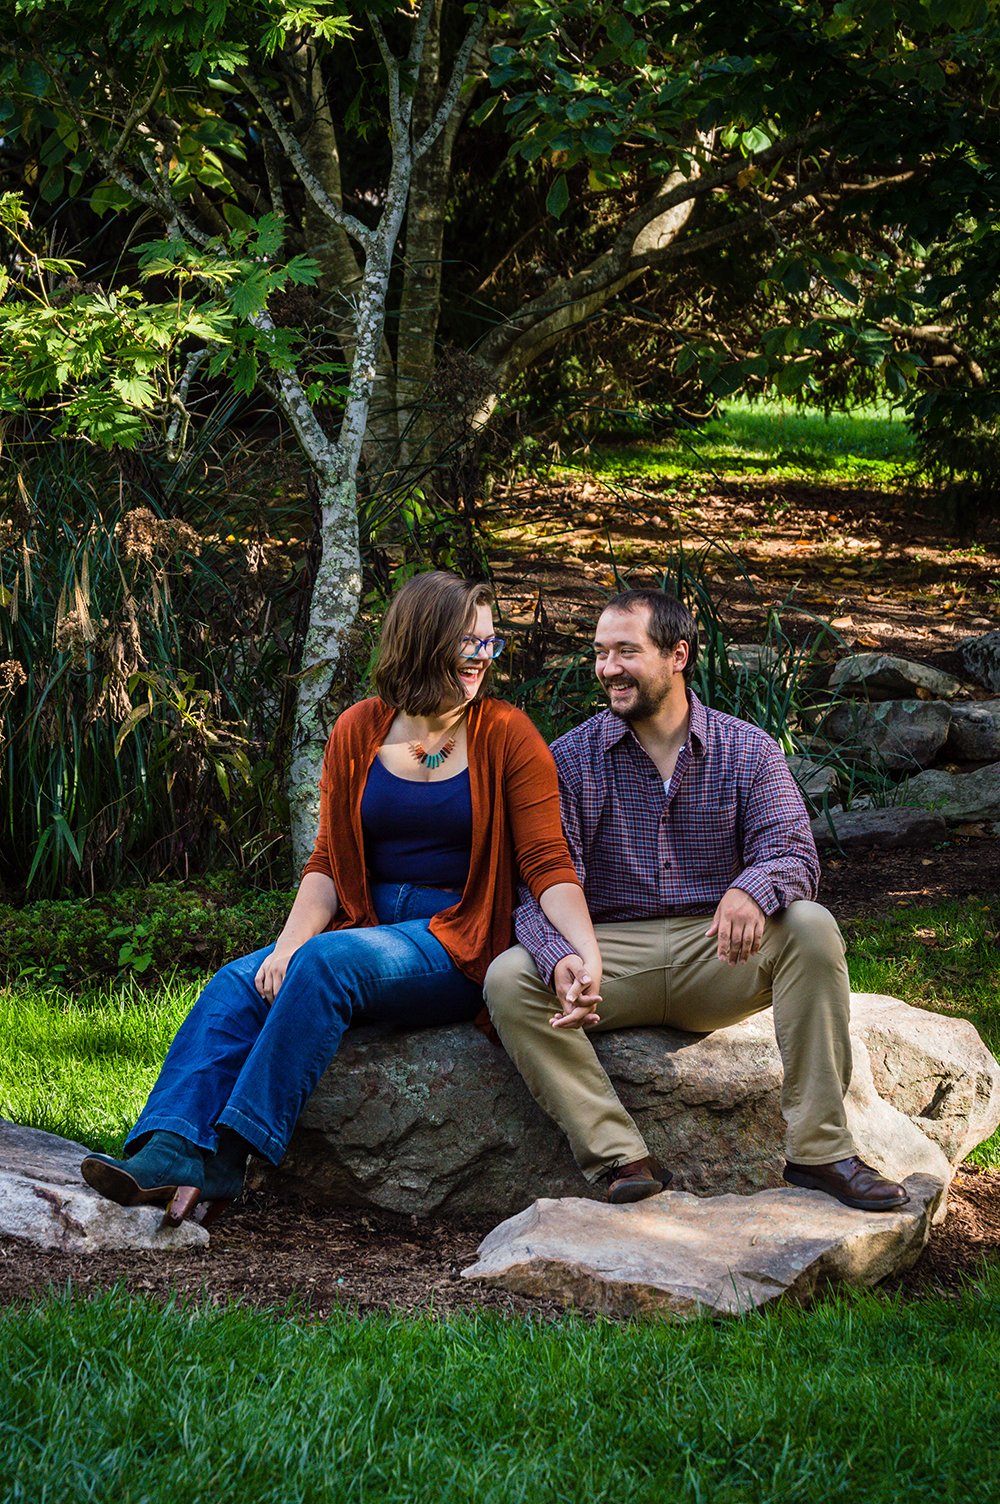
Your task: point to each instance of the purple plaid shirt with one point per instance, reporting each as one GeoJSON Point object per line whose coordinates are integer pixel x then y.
{"type": "Point", "coordinates": [733, 819]}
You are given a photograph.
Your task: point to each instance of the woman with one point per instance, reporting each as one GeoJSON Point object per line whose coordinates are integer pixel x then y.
{"type": "Point", "coordinates": [434, 798]}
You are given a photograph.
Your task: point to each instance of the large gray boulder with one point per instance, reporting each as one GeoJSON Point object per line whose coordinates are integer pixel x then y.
{"type": "Point", "coordinates": [879, 676]}
{"type": "Point", "coordinates": [678, 1255]}
{"type": "Point", "coordinates": [888, 829]}
{"type": "Point", "coordinates": [45, 1201]}
{"type": "Point", "coordinates": [438, 1121]}
{"type": "Point", "coordinates": [958, 797]}
{"type": "Point", "coordinates": [981, 659]}
{"type": "Point", "coordinates": [815, 779]}
{"type": "Point", "coordinates": [898, 735]}
{"type": "Point", "coordinates": [974, 733]}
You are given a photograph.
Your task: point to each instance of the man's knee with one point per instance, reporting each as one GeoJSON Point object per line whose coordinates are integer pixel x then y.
{"type": "Point", "coordinates": [810, 927]}
{"type": "Point", "coordinates": [509, 980]}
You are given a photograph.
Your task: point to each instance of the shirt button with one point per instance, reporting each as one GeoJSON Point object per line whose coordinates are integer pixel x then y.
{"type": "Point", "coordinates": [667, 862]}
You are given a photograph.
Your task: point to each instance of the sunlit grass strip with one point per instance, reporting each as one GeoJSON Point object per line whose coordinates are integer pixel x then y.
{"type": "Point", "coordinates": [859, 1399]}
{"type": "Point", "coordinates": [83, 1067]}
{"type": "Point", "coordinates": [758, 439]}
{"type": "Point", "coordinates": [946, 958]}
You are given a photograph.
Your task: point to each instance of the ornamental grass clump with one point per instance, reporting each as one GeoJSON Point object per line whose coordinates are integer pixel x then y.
{"type": "Point", "coordinates": [145, 659]}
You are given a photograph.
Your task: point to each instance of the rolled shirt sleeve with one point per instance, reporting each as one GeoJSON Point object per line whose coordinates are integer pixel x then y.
{"type": "Point", "coordinates": [543, 942]}
{"type": "Point", "coordinates": [779, 853]}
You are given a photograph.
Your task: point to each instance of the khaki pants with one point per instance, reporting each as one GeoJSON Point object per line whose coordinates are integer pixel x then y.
{"type": "Point", "coordinates": [664, 972]}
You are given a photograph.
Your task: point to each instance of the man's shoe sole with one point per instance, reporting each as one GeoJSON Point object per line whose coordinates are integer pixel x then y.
{"type": "Point", "coordinates": [117, 1185]}
{"type": "Point", "coordinates": [810, 1183]}
{"type": "Point", "coordinates": [634, 1190]}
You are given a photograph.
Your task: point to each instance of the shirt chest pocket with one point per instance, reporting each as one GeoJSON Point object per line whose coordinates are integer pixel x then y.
{"type": "Point", "coordinates": [710, 836]}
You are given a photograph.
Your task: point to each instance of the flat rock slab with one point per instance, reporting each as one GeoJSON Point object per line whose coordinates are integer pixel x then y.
{"type": "Point", "coordinates": [45, 1201]}
{"type": "Point", "coordinates": [679, 1255]}
{"type": "Point", "coordinates": [958, 797]}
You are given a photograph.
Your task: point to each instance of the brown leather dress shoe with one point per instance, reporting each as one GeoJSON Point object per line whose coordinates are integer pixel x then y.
{"type": "Point", "coordinates": [852, 1182]}
{"type": "Point", "coordinates": [634, 1182]}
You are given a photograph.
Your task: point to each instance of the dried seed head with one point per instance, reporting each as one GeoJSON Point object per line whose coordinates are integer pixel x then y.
{"type": "Point", "coordinates": [141, 534]}
{"type": "Point", "coordinates": [74, 631]}
{"type": "Point", "coordinates": [12, 676]}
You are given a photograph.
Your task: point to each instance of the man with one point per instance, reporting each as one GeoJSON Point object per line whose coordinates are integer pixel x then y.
{"type": "Point", "coordinates": [694, 848]}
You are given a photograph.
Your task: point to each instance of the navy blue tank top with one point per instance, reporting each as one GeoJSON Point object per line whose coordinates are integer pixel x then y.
{"type": "Point", "coordinates": [417, 832]}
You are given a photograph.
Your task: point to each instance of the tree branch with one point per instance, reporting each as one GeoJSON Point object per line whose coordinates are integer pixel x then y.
{"type": "Point", "coordinates": [285, 386]}
{"type": "Point", "coordinates": [459, 72]}
{"type": "Point", "coordinates": [310, 182]}
{"type": "Point", "coordinates": [143, 107]}
{"type": "Point", "coordinates": [178, 400]}
{"type": "Point", "coordinates": [939, 337]}
{"type": "Point", "coordinates": [399, 123]}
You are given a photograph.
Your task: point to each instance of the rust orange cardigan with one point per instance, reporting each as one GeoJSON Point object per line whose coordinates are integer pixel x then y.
{"type": "Point", "coordinates": [515, 826]}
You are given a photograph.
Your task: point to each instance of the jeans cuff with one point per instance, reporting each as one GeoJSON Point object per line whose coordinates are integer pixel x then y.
{"type": "Point", "coordinates": [159, 1122]}
{"type": "Point", "coordinates": [265, 1143]}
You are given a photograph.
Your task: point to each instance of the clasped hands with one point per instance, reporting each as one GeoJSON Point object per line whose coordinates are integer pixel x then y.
{"type": "Point", "coordinates": [577, 985]}
{"type": "Point", "coordinates": [738, 922]}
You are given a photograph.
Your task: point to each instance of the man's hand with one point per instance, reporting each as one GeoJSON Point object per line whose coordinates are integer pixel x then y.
{"type": "Point", "coordinates": [577, 988]}
{"type": "Point", "coordinates": [739, 923]}
{"type": "Point", "coordinates": [271, 974]}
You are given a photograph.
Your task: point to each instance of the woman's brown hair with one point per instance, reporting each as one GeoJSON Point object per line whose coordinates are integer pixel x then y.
{"type": "Point", "coordinates": [417, 666]}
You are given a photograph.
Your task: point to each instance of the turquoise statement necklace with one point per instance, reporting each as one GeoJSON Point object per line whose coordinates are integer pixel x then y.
{"type": "Point", "coordinates": [434, 759]}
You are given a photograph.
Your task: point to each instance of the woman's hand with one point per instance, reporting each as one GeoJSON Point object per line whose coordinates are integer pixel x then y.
{"type": "Point", "coordinates": [271, 973]}
{"type": "Point", "coordinates": [312, 912]}
{"type": "Point", "coordinates": [578, 987]}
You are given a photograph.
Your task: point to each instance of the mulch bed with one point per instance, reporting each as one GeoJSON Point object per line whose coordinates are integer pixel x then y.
{"type": "Point", "coordinates": [310, 1260]}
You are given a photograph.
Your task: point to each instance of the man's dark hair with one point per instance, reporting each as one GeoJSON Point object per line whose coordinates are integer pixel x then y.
{"type": "Point", "coordinates": [670, 621]}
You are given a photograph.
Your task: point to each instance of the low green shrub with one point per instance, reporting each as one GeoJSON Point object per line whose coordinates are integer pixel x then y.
{"type": "Point", "coordinates": [177, 929]}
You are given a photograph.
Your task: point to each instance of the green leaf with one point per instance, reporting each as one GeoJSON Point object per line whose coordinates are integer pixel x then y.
{"type": "Point", "coordinates": [795, 276]}
{"type": "Point", "coordinates": [127, 726]}
{"type": "Point", "coordinates": [558, 196]}
{"type": "Point", "coordinates": [303, 271]}
{"type": "Point", "coordinates": [135, 390]}
{"type": "Point", "coordinates": [598, 140]}
{"type": "Point", "coordinates": [619, 30]}
{"type": "Point", "coordinates": [793, 377]}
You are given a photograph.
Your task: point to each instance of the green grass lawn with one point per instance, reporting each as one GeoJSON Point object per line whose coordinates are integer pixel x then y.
{"type": "Point", "coordinates": [861, 1399]}
{"type": "Point", "coordinates": [870, 445]}
{"type": "Point", "coordinates": [82, 1066]}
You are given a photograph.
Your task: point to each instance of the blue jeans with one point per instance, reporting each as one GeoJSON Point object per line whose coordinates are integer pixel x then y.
{"type": "Point", "coordinates": [241, 1063]}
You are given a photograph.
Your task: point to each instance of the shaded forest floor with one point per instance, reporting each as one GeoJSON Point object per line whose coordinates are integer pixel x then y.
{"type": "Point", "coordinates": [875, 563]}
{"type": "Point", "coordinates": [879, 566]}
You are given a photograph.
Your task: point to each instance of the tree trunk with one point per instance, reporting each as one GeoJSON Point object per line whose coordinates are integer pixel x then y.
{"type": "Point", "coordinates": [336, 599]}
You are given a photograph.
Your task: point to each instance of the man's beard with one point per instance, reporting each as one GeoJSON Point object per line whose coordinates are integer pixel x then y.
{"type": "Point", "coordinates": [644, 704]}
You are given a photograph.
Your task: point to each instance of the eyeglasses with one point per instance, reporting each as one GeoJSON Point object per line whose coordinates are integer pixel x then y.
{"type": "Point", "coordinates": [472, 646]}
